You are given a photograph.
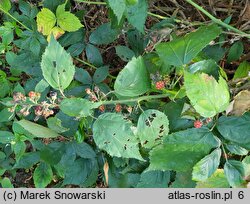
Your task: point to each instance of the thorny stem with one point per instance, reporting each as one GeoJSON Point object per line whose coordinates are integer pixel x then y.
{"type": "Point", "coordinates": [218, 21]}
{"type": "Point", "coordinates": [8, 14]}
{"type": "Point", "coordinates": [142, 98]}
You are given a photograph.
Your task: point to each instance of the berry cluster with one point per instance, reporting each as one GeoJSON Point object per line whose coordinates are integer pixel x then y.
{"type": "Point", "coordinates": [160, 81]}
{"type": "Point", "coordinates": [199, 123]}
{"type": "Point", "coordinates": [159, 85]}
{"type": "Point", "coordinates": [22, 105]}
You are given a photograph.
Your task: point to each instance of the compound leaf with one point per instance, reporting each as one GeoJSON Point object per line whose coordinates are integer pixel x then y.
{"type": "Point", "coordinates": [46, 20]}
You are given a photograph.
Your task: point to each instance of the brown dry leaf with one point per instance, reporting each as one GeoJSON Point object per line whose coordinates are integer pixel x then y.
{"type": "Point", "coordinates": [106, 172]}
{"type": "Point", "coordinates": [246, 14]}
{"type": "Point", "coordinates": [241, 103]}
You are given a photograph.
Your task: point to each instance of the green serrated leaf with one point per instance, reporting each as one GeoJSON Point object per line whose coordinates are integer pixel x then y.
{"type": "Point", "coordinates": [234, 172]}
{"type": "Point", "coordinates": [206, 166]}
{"type": "Point", "coordinates": [113, 134]}
{"type": "Point", "coordinates": [101, 74]}
{"type": "Point", "coordinates": [56, 124]}
{"type": "Point", "coordinates": [46, 20]}
{"type": "Point", "coordinates": [137, 14]}
{"type": "Point", "coordinates": [57, 66]}
{"type": "Point", "coordinates": [6, 137]}
{"type": "Point", "coordinates": [6, 115]}
{"type": "Point", "coordinates": [118, 7]}
{"type": "Point", "coordinates": [83, 76]}
{"type": "Point", "coordinates": [93, 55]}
{"type": "Point", "coordinates": [35, 46]}
{"type": "Point", "coordinates": [217, 180]}
{"type": "Point", "coordinates": [42, 175]}
{"type": "Point", "coordinates": [236, 129]}
{"type": "Point", "coordinates": [209, 67]}
{"type": "Point", "coordinates": [242, 71]}
{"type": "Point", "coordinates": [124, 53]}
{"type": "Point", "coordinates": [210, 97]}
{"type": "Point", "coordinates": [84, 150]}
{"type": "Point", "coordinates": [79, 171]}
{"type": "Point", "coordinates": [131, 2]}
{"type": "Point", "coordinates": [27, 160]}
{"type": "Point", "coordinates": [154, 179]}
{"type": "Point", "coordinates": [103, 35]}
{"type": "Point", "coordinates": [19, 149]}
{"type": "Point", "coordinates": [152, 126]}
{"type": "Point", "coordinates": [236, 149]}
{"type": "Point", "coordinates": [186, 147]}
{"type": "Point", "coordinates": [235, 51]}
{"type": "Point", "coordinates": [41, 86]}
{"type": "Point", "coordinates": [133, 80]}
{"type": "Point", "coordinates": [31, 129]}
{"type": "Point", "coordinates": [66, 20]}
{"type": "Point", "coordinates": [246, 165]}
{"type": "Point", "coordinates": [77, 107]}
{"type": "Point", "coordinates": [183, 180]}
{"type": "Point", "coordinates": [182, 50]}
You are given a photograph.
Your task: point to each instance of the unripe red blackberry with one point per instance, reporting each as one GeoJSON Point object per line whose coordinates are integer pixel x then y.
{"type": "Point", "coordinates": [160, 85]}
{"type": "Point", "coordinates": [198, 124]}
{"type": "Point", "coordinates": [118, 108]}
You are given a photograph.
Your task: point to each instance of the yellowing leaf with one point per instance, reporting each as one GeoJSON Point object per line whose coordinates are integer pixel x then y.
{"type": "Point", "coordinates": [66, 20]}
{"type": "Point", "coordinates": [46, 20]}
{"type": "Point", "coordinates": [208, 96]}
{"type": "Point", "coordinates": [217, 180]}
{"type": "Point", "coordinates": [56, 32]}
